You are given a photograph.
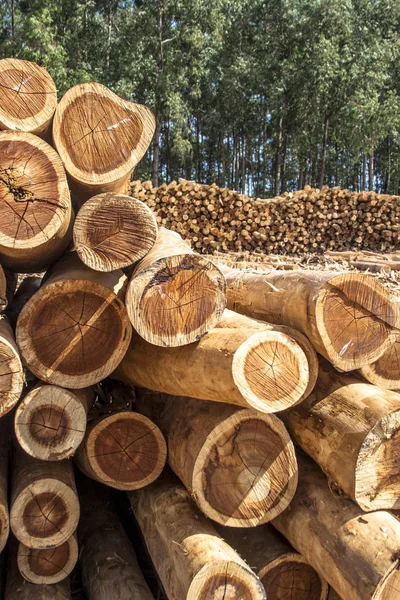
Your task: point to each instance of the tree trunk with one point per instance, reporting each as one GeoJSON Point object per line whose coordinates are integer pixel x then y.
{"type": "Point", "coordinates": [123, 450]}
{"type": "Point", "coordinates": [351, 429]}
{"type": "Point", "coordinates": [19, 589]}
{"type": "Point", "coordinates": [4, 465]}
{"type": "Point", "coordinates": [209, 449]}
{"type": "Point", "coordinates": [50, 422]}
{"type": "Point", "coordinates": [334, 535]}
{"type": "Point", "coordinates": [277, 169]}
{"type": "Point", "coordinates": [191, 560]}
{"type": "Point", "coordinates": [276, 563]}
{"type": "Point", "coordinates": [364, 173]}
{"type": "Point", "coordinates": [108, 562]}
{"type": "Point", "coordinates": [75, 330]}
{"type": "Point", "coordinates": [371, 169]}
{"type": "Point", "coordinates": [48, 566]}
{"type": "Point", "coordinates": [36, 213]}
{"type": "Point", "coordinates": [28, 97]}
{"type": "Point", "coordinates": [385, 372]}
{"type": "Point", "coordinates": [284, 164]}
{"type": "Point", "coordinates": [315, 302]}
{"type": "Point", "coordinates": [11, 370]}
{"type": "Point", "coordinates": [388, 171]}
{"type": "Point", "coordinates": [156, 151]}
{"type": "Point", "coordinates": [100, 139]}
{"type": "Point", "coordinates": [324, 148]}
{"type": "Point", "coordinates": [175, 295]}
{"type": "Point", "coordinates": [26, 289]}
{"type": "Point", "coordinates": [44, 503]}
{"type": "Point", "coordinates": [112, 231]}
{"type": "Point", "coordinates": [266, 370]}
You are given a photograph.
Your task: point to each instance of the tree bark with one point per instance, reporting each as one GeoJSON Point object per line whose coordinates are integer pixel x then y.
{"type": "Point", "coordinates": [282, 570]}
{"type": "Point", "coordinates": [44, 502]}
{"type": "Point", "coordinates": [75, 330]}
{"type": "Point", "coordinates": [324, 148]}
{"type": "Point", "coordinates": [334, 535]}
{"type": "Point", "coordinates": [113, 231]}
{"type": "Point", "coordinates": [315, 302]}
{"type": "Point", "coordinates": [4, 466]}
{"type": "Point", "coordinates": [156, 151]}
{"type": "Point", "coordinates": [48, 566]}
{"type": "Point", "coordinates": [11, 370]}
{"type": "Point", "coordinates": [100, 139]}
{"type": "Point", "coordinates": [209, 447]}
{"type": "Point", "coordinates": [351, 429]}
{"type": "Point", "coordinates": [175, 295]}
{"type": "Point", "coordinates": [123, 450]}
{"type": "Point", "coordinates": [28, 96]}
{"type": "Point", "coordinates": [265, 369]}
{"type": "Point", "coordinates": [191, 560]}
{"type": "Point", "coordinates": [277, 170]}
{"type": "Point", "coordinates": [36, 213]}
{"type": "Point", "coordinates": [50, 422]}
{"type": "Point", "coordinates": [108, 562]}
{"type": "Point", "coordinates": [385, 372]}
{"type": "Point", "coordinates": [19, 589]}
{"type": "Point", "coordinates": [371, 169]}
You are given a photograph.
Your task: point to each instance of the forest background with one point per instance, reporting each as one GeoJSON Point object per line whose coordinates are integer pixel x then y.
{"type": "Point", "coordinates": [263, 96]}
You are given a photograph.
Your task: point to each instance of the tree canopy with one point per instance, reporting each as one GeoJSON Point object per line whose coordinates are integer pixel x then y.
{"type": "Point", "coordinates": [259, 95]}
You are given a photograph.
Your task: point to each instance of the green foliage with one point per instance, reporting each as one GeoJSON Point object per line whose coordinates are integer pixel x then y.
{"type": "Point", "coordinates": [260, 95]}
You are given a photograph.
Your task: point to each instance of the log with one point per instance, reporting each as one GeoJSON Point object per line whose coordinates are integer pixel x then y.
{"type": "Point", "coordinates": [385, 372]}
{"type": "Point", "coordinates": [50, 422]}
{"type": "Point", "coordinates": [4, 465]}
{"type": "Point", "coordinates": [282, 571]}
{"type": "Point", "coordinates": [266, 370]}
{"type": "Point", "coordinates": [352, 430]}
{"type": "Point", "coordinates": [334, 535]}
{"type": "Point", "coordinates": [36, 212]}
{"type": "Point", "coordinates": [349, 318]}
{"type": "Point", "coordinates": [75, 330]}
{"type": "Point", "coordinates": [174, 296]}
{"type": "Point", "coordinates": [123, 450]}
{"type": "Point", "coordinates": [25, 291]}
{"type": "Point", "coordinates": [113, 231]}
{"type": "Point", "coordinates": [238, 464]}
{"type": "Point", "coordinates": [44, 502]}
{"type": "Point", "coordinates": [28, 97]}
{"type": "Point", "coordinates": [100, 139]}
{"type": "Point", "coordinates": [11, 370]}
{"type": "Point", "coordinates": [3, 290]}
{"type": "Point", "coordinates": [17, 588]}
{"type": "Point", "coordinates": [48, 566]}
{"type": "Point", "coordinates": [191, 560]}
{"type": "Point", "coordinates": [108, 562]}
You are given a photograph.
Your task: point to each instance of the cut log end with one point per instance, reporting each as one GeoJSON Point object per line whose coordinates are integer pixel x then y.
{"type": "Point", "coordinates": [271, 371]}
{"type": "Point", "coordinates": [50, 422]}
{"type": "Point", "coordinates": [28, 96]}
{"type": "Point", "coordinates": [124, 450]}
{"type": "Point", "coordinates": [246, 472]}
{"type": "Point", "coordinates": [355, 319]}
{"type": "Point", "coordinates": [44, 514]}
{"type": "Point", "coordinates": [176, 300]}
{"type": "Point", "coordinates": [113, 231]}
{"type": "Point", "coordinates": [48, 566]}
{"type": "Point", "coordinates": [73, 333]}
{"type": "Point", "coordinates": [385, 372]}
{"type": "Point", "coordinates": [390, 587]}
{"type": "Point", "coordinates": [4, 526]}
{"type": "Point", "coordinates": [377, 484]}
{"type": "Point", "coordinates": [291, 576]}
{"type": "Point", "coordinates": [35, 212]}
{"type": "Point", "coordinates": [225, 580]}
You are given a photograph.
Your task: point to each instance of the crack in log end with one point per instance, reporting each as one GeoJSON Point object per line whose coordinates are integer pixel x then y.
{"type": "Point", "coordinates": [45, 515]}
{"type": "Point", "coordinates": [48, 562]}
{"type": "Point", "coordinates": [30, 197]}
{"type": "Point", "coordinates": [180, 299]}
{"type": "Point", "coordinates": [248, 472]}
{"type": "Point", "coordinates": [292, 580]}
{"type": "Point", "coordinates": [91, 125]}
{"type": "Point", "coordinates": [49, 425]}
{"type": "Point", "coordinates": [24, 94]}
{"type": "Point", "coordinates": [81, 328]}
{"type": "Point", "coordinates": [126, 450]}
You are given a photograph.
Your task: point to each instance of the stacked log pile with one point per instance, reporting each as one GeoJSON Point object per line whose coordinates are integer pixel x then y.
{"type": "Point", "coordinates": [311, 220]}
{"type": "Point", "coordinates": [135, 350]}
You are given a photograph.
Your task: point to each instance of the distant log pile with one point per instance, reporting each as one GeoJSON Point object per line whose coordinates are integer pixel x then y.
{"type": "Point", "coordinates": [217, 219]}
